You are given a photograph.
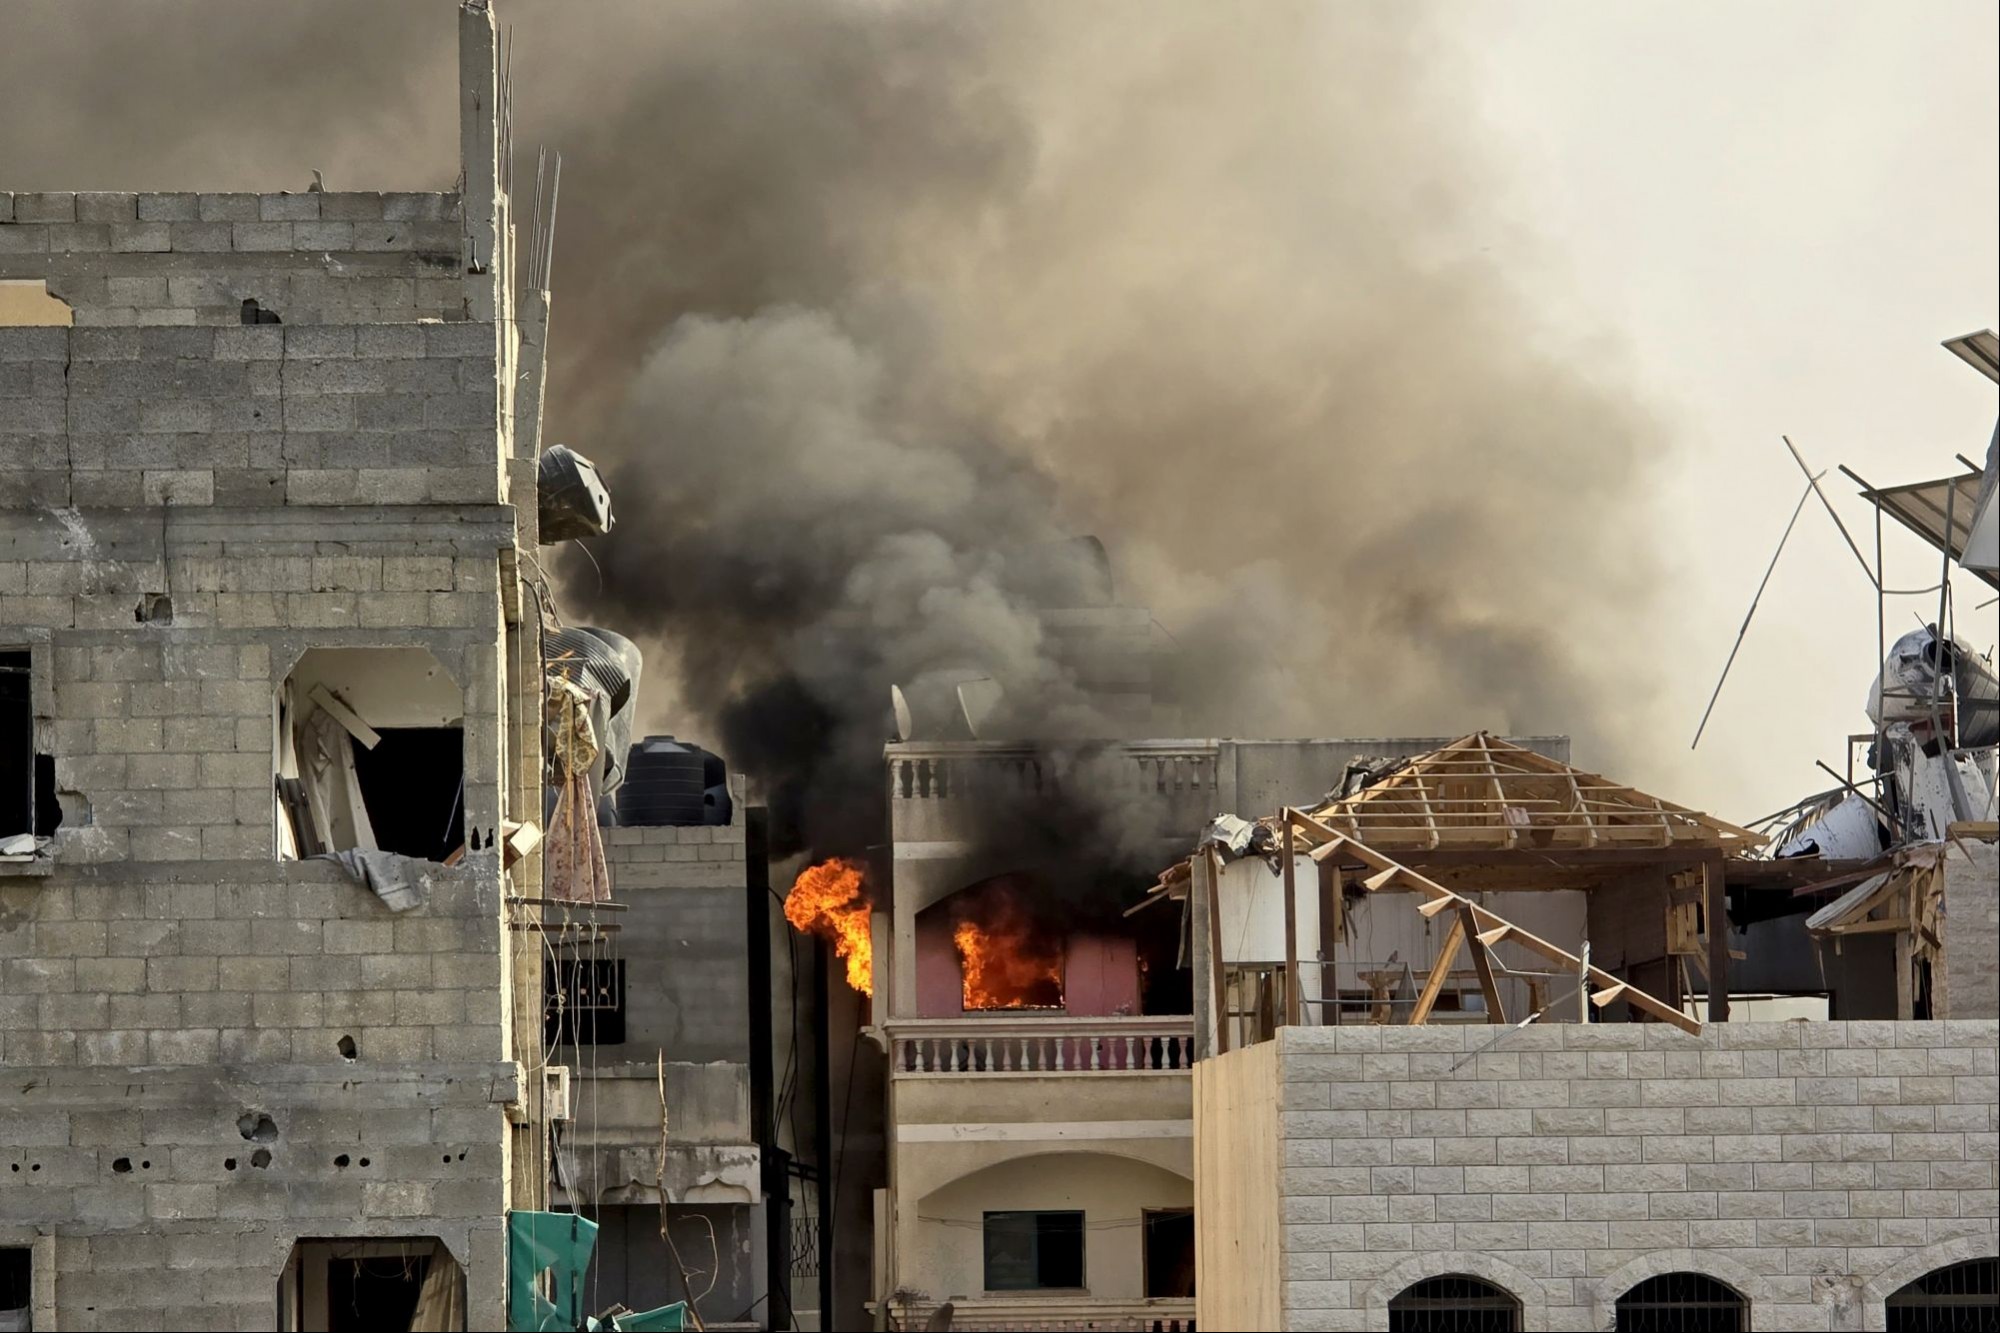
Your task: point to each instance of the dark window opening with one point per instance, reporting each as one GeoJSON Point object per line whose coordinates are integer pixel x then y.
{"type": "Point", "coordinates": [1920, 990]}
{"type": "Point", "coordinates": [17, 1273]}
{"type": "Point", "coordinates": [1169, 1252]}
{"type": "Point", "coordinates": [1682, 1303]}
{"type": "Point", "coordinates": [413, 783]}
{"type": "Point", "coordinates": [17, 745]}
{"type": "Point", "coordinates": [1454, 1304]}
{"type": "Point", "coordinates": [1034, 1251]}
{"type": "Point", "coordinates": [583, 1001]}
{"type": "Point", "coordinates": [367, 1284]}
{"type": "Point", "coordinates": [371, 1294]}
{"type": "Point", "coordinates": [1959, 1299]}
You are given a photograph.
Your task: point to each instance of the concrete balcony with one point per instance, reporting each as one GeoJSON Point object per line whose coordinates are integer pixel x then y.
{"type": "Point", "coordinates": [1042, 1310]}
{"type": "Point", "coordinates": [931, 1047]}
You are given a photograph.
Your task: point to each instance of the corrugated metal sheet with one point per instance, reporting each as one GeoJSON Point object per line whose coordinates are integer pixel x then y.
{"type": "Point", "coordinates": [1923, 506]}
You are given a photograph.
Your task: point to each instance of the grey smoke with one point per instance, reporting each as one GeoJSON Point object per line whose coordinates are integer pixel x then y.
{"type": "Point", "coordinates": [862, 303]}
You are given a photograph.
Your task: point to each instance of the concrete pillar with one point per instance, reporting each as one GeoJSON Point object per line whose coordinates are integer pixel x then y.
{"type": "Point", "coordinates": [479, 156]}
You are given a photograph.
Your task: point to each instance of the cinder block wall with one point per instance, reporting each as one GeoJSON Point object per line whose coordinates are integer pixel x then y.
{"type": "Point", "coordinates": [182, 258]}
{"type": "Point", "coordinates": [336, 480]}
{"type": "Point", "coordinates": [245, 417]}
{"type": "Point", "coordinates": [1815, 1167]}
{"type": "Point", "coordinates": [685, 942]}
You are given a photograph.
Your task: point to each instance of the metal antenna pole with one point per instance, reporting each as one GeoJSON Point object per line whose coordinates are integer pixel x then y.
{"type": "Point", "coordinates": [1812, 485]}
{"type": "Point", "coordinates": [1813, 481]}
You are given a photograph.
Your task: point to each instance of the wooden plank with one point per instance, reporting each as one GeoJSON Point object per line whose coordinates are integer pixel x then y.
{"type": "Point", "coordinates": [1210, 865]}
{"type": "Point", "coordinates": [1368, 856]}
{"type": "Point", "coordinates": [1288, 868]}
{"type": "Point", "coordinates": [1715, 900]}
{"type": "Point", "coordinates": [345, 716]}
{"type": "Point", "coordinates": [1440, 972]}
{"type": "Point", "coordinates": [1496, 1012]}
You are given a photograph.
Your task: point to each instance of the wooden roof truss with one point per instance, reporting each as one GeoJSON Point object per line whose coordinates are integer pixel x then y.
{"type": "Point", "coordinates": [1483, 792]}
{"type": "Point", "coordinates": [1473, 927]}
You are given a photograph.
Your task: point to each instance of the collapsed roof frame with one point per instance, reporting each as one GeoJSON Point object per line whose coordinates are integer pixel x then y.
{"type": "Point", "coordinates": [1484, 792]}
{"type": "Point", "coordinates": [1474, 927]}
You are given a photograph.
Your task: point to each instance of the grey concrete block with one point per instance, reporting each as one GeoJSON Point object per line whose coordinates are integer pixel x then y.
{"type": "Point", "coordinates": [106, 206]}
{"type": "Point", "coordinates": [288, 207]}
{"type": "Point", "coordinates": [142, 237]}
{"type": "Point", "coordinates": [260, 236]}
{"type": "Point", "coordinates": [58, 206]}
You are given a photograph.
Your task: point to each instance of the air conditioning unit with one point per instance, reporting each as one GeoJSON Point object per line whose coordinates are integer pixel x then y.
{"type": "Point", "coordinates": [555, 1092]}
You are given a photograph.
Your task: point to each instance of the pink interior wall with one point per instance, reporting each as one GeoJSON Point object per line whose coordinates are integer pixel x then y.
{"type": "Point", "coordinates": [940, 987]}
{"type": "Point", "coordinates": [1100, 976]}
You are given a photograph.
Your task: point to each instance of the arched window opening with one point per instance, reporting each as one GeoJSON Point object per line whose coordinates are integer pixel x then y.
{"type": "Point", "coordinates": [1454, 1303]}
{"type": "Point", "coordinates": [1683, 1303]}
{"type": "Point", "coordinates": [1946, 1300]}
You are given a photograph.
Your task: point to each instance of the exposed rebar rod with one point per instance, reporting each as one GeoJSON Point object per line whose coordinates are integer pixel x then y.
{"type": "Point", "coordinates": [1812, 484]}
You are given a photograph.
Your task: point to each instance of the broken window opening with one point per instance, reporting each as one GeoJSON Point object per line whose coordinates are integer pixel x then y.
{"type": "Point", "coordinates": [17, 1289]}
{"type": "Point", "coordinates": [28, 804]}
{"type": "Point", "coordinates": [1034, 1251]}
{"type": "Point", "coordinates": [371, 755]}
{"type": "Point", "coordinates": [584, 1001]}
{"type": "Point", "coordinates": [363, 1286]}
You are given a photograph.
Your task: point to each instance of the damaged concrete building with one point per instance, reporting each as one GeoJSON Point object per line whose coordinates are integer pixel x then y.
{"type": "Point", "coordinates": [270, 964]}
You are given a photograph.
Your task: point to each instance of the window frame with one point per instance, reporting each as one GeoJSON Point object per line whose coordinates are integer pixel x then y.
{"type": "Point", "coordinates": [559, 1022]}
{"type": "Point", "coordinates": [987, 1222]}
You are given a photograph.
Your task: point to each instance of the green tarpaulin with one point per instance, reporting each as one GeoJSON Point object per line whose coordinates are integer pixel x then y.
{"type": "Point", "coordinates": [558, 1244]}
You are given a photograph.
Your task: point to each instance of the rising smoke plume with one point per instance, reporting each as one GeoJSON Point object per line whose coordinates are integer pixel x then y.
{"type": "Point", "coordinates": [867, 306]}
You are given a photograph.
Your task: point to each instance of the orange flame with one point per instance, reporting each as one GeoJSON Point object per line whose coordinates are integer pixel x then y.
{"type": "Point", "coordinates": [1005, 962]}
{"type": "Point", "coordinates": [831, 899]}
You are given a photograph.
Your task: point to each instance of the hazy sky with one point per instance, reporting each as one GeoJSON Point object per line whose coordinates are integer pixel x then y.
{"type": "Point", "coordinates": [1778, 211]}
{"type": "Point", "coordinates": [1765, 217]}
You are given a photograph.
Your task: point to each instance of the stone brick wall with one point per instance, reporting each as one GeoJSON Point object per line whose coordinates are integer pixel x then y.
{"type": "Point", "coordinates": [1971, 986]}
{"type": "Point", "coordinates": [248, 416]}
{"type": "Point", "coordinates": [183, 258]}
{"type": "Point", "coordinates": [1812, 1166]}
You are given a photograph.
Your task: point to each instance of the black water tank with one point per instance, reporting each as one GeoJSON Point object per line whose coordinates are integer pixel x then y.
{"type": "Point", "coordinates": [665, 782]}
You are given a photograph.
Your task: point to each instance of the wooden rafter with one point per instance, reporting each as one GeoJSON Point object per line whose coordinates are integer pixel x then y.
{"type": "Point", "coordinates": [1482, 791]}
{"type": "Point", "coordinates": [1392, 874]}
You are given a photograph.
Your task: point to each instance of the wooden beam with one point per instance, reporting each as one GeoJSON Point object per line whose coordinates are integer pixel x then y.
{"type": "Point", "coordinates": [1489, 920]}
{"type": "Point", "coordinates": [338, 710]}
{"type": "Point", "coordinates": [1440, 972]}
{"type": "Point", "coordinates": [1715, 900]}
{"type": "Point", "coordinates": [1210, 861]}
{"type": "Point", "coordinates": [1330, 910]}
{"type": "Point", "coordinates": [1496, 1012]}
{"type": "Point", "coordinates": [1287, 865]}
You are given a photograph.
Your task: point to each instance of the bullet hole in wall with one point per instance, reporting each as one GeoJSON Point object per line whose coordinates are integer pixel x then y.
{"type": "Point", "coordinates": [257, 1127]}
